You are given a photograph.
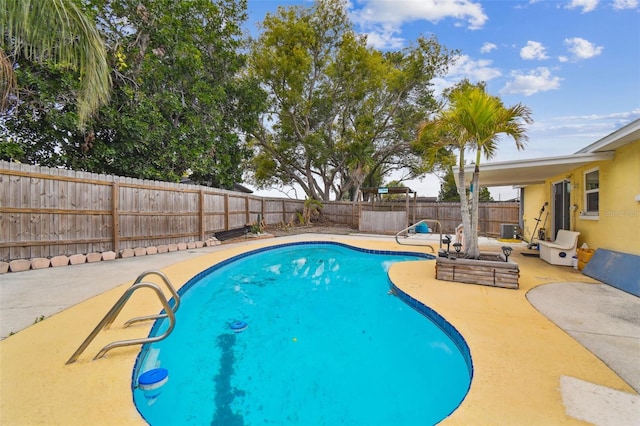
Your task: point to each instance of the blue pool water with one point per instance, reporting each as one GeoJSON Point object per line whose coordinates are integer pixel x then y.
{"type": "Point", "coordinates": [325, 344]}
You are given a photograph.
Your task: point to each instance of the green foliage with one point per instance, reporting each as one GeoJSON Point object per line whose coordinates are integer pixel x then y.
{"type": "Point", "coordinates": [180, 100]}
{"type": "Point", "coordinates": [312, 208]}
{"type": "Point", "coordinates": [485, 195]}
{"type": "Point", "coordinates": [340, 113]}
{"type": "Point", "coordinates": [256, 228]}
{"type": "Point", "coordinates": [11, 151]}
{"type": "Point", "coordinates": [449, 190]}
{"type": "Point", "coordinates": [392, 197]}
{"type": "Point", "coordinates": [45, 125]}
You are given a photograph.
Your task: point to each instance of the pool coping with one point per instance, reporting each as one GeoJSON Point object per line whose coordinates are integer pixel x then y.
{"type": "Point", "coordinates": [37, 388]}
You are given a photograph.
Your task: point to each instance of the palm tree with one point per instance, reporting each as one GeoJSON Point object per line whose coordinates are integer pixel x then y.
{"type": "Point", "coordinates": [360, 162]}
{"type": "Point", "coordinates": [474, 121]}
{"type": "Point", "coordinates": [58, 31]}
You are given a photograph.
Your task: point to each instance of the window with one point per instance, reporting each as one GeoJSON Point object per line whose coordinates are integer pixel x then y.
{"type": "Point", "coordinates": [592, 192]}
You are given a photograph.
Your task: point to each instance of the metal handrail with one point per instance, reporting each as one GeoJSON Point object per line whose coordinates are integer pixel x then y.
{"type": "Point", "coordinates": [113, 312]}
{"type": "Point", "coordinates": [405, 231]}
{"type": "Point", "coordinates": [166, 281]}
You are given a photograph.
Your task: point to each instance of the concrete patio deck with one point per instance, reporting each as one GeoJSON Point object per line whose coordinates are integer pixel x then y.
{"type": "Point", "coordinates": [528, 369]}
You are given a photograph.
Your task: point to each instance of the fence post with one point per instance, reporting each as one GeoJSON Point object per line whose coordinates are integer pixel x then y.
{"type": "Point", "coordinates": [115, 206]}
{"type": "Point", "coordinates": [247, 212]}
{"type": "Point", "coordinates": [284, 212]}
{"type": "Point", "coordinates": [201, 213]}
{"type": "Point", "coordinates": [226, 212]}
{"type": "Point", "coordinates": [353, 213]}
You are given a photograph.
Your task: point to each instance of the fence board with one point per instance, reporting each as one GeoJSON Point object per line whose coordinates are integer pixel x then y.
{"type": "Point", "coordinates": [340, 212]}
{"type": "Point", "coordinates": [388, 222]}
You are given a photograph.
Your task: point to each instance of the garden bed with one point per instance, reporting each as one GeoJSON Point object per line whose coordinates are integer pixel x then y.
{"type": "Point", "coordinates": [490, 270]}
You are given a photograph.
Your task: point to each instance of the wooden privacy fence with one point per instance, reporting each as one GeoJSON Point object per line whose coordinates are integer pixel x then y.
{"type": "Point", "coordinates": [491, 215]}
{"type": "Point", "coordinates": [47, 212]}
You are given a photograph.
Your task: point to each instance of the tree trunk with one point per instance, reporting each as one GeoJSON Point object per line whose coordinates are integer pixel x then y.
{"type": "Point", "coordinates": [464, 206]}
{"type": "Point", "coordinates": [473, 251]}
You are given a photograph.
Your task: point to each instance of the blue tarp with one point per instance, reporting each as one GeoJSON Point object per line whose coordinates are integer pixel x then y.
{"type": "Point", "coordinates": [422, 228]}
{"type": "Point", "coordinates": [620, 270]}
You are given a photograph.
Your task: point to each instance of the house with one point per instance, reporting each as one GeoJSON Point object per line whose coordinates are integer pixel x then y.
{"type": "Point", "coordinates": [595, 191]}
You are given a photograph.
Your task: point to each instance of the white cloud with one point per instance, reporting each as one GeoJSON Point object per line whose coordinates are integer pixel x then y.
{"type": "Point", "coordinates": [384, 38]}
{"type": "Point", "coordinates": [465, 67]}
{"type": "Point", "coordinates": [582, 49]}
{"type": "Point", "coordinates": [401, 11]}
{"type": "Point", "coordinates": [618, 118]}
{"type": "Point", "coordinates": [590, 5]}
{"type": "Point", "coordinates": [488, 47]}
{"type": "Point", "coordinates": [625, 4]}
{"type": "Point", "coordinates": [574, 132]}
{"type": "Point", "coordinates": [586, 5]}
{"type": "Point", "coordinates": [382, 19]}
{"type": "Point", "coordinates": [538, 80]}
{"type": "Point", "coordinates": [565, 134]}
{"type": "Point", "coordinates": [474, 70]}
{"type": "Point", "coordinates": [533, 50]}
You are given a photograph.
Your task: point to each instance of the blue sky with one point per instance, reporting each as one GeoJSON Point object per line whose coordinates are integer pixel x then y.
{"type": "Point", "coordinates": [575, 63]}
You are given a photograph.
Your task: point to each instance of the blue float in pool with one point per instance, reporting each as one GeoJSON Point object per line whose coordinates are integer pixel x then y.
{"type": "Point", "coordinates": [238, 326]}
{"type": "Point", "coordinates": [151, 381]}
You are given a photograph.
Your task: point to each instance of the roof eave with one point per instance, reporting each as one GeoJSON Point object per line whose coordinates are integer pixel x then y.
{"type": "Point", "coordinates": [621, 137]}
{"type": "Point", "coordinates": [532, 171]}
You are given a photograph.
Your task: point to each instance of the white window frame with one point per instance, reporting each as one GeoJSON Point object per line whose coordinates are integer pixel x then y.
{"type": "Point", "coordinates": [591, 214]}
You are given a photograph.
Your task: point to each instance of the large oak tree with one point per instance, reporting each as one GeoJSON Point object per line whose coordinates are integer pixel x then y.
{"type": "Point", "coordinates": [339, 112]}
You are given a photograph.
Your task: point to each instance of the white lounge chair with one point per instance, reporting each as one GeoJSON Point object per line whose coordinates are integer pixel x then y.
{"type": "Point", "coordinates": [560, 251]}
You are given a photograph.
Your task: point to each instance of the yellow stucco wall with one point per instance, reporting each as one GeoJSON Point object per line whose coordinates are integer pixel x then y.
{"type": "Point", "coordinates": [534, 198]}
{"type": "Point", "coordinates": [618, 225]}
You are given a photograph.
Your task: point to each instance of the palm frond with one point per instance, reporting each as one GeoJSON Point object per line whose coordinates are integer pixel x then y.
{"type": "Point", "coordinates": [58, 31]}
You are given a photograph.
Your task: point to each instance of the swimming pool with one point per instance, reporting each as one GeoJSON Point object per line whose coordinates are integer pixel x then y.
{"type": "Point", "coordinates": [325, 343]}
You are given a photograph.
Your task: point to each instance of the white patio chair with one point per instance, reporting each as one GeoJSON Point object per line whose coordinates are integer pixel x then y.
{"type": "Point", "coordinates": [560, 251]}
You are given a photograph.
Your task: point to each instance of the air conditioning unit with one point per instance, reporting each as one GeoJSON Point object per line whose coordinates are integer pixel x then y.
{"type": "Point", "coordinates": [509, 230]}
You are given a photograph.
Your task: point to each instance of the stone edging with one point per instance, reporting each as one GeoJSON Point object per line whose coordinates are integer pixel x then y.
{"type": "Point", "coordinates": [20, 265]}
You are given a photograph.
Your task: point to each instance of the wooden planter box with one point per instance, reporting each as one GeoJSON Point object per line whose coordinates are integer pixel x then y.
{"type": "Point", "coordinates": [495, 273]}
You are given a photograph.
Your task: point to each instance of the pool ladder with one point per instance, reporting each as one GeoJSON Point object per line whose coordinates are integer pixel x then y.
{"type": "Point", "coordinates": [405, 233]}
{"type": "Point", "coordinates": [169, 312]}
